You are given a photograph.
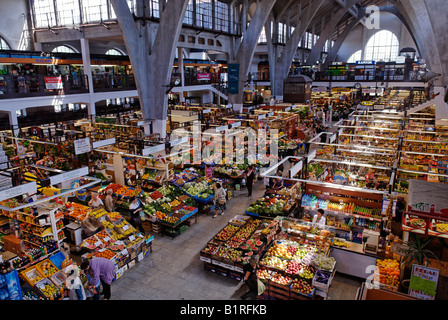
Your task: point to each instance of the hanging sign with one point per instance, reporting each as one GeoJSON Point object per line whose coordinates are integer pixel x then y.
{"type": "Point", "coordinates": [203, 76]}
{"type": "Point", "coordinates": [70, 175]}
{"type": "Point", "coordinates": [28, 188]}
{"type": "Point", "coordinates": [53, 83]}
{"type": "Point", "coordinates": [82, 146]}
{"type": "Point", "coordinates": [154, 149]}
{"type": "Point", "coordinates": [295, 169]}
{"type": "Point", "coordinates": [234, 78]}
{"type": "Point", "coordinates": [423, 283]}
{"type": "Point", "coordinates": [102, 143]}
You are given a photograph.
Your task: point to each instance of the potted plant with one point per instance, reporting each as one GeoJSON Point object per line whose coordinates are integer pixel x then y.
{"type": "Point", "coordinates": [416, 253]}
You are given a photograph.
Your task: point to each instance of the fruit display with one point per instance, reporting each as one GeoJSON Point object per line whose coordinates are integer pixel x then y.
{"type": "Point", "coordinates": [243, 233]}
{"type": "Point", "coordinates": [272, 205]}
{"type": "Point", "coordinates": [47, 268]}
{"type": "Point", "coordinates": [280, 250]}
{"type": "Point", "coordinates": [294, 267]}
{"type": "Point", "coordinates": [104, 254]}
{"type": "Point", "coordinates": [301, 286]}
{"type": "Point", "coordinates": [226, 232]}
{"type": "Point", "coordinates": [78, 211]}
{"type": "Point", "coordinates": [324, 262]}
{"type": "Point", "coordinates": [171, 219]}
{"type": "Point", "coordinates": [279, 278]}
{"type": "Point", "coordinates": [98, 213]}
{"type": "Point", "coordinates": [91, 243]}
{"type": "Point", "coordinates": [388, 272]}
{"type": "Point", "coordinates": [275, 262]}
{"type": "Point", "coordinates": [264, 274]}
{"type": "Point", "coordinates": [341, 243]}
{"type": "Point", "coordinates": [32, 275]}
{"type": "Point", "coordinates": [49, 289]}
{"type": "Point", "coordinates": [114, 216]}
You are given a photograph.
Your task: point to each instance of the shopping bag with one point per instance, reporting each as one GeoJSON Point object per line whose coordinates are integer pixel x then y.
{"type": "Point", "coordinates": [261, 286]}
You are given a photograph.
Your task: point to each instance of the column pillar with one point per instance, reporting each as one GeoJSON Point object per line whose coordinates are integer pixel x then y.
{"type": "Point", "coordinates": [159, 126]}
{"type": "Point", "coordinates": [85, 52]}
{"type": "Point", "coordinates": [180, 59]}
{"type": "Point", "coordinates": [13, 122]}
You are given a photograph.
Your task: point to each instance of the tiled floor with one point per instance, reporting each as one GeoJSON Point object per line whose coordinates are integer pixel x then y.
{"type": "Point", "coordinates": [173, 270]}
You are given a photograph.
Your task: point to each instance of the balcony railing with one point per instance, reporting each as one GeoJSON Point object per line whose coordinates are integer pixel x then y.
{"type": "Point", "coordinates": [113, 82]}
{"type": "Point", "coordinates": [34, 86]}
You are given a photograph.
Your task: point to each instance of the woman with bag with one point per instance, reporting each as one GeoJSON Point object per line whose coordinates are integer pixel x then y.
{"type": "Point", "coordinates": [251, 280]}
{"type": "Point", "coordinates": [220, 200]}
{"type": "Point", "coordinates": [135, 209]}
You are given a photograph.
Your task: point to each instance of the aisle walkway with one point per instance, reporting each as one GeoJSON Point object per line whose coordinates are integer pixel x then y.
{"type": "Point", "coordinates": [173, 270]}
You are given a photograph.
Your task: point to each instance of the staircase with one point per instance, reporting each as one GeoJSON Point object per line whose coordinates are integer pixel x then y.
{"type": "Point", "coordinates": [422, 106]}
{"type": "Point", "coordinates": [220, 90]}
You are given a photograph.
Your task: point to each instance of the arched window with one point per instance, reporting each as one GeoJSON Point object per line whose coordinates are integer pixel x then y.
{"type": "Point", "coordinates": [383, 45]}
{"type": "Point", "coordinates": [63, 49]}
{"type": "Point", "coordinates": [4, 45]}
{"type": "Point", "coordinates": [357, 56]}
{"type": "Point", "coordinates": [114, 52]}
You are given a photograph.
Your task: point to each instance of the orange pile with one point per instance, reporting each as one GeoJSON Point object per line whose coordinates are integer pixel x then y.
{"type": "Point", "coordinates": [388, 272]}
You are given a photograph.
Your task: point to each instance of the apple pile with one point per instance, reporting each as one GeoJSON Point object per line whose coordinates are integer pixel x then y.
{"type": "Point", "coordinates": [264, 274]}
{"type": "Point", "coordinates": [226, 232]}
{"type": "Point", "coordinates": [280, 279]}
{"type": "Point", "coordinates": [301, 286]}
{"type": "Point", "coordinates": [294, 267]}
{"type": "Point", "coordinates": [276, 262]}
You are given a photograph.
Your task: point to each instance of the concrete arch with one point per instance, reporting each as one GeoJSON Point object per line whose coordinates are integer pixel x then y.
{"type": "Point", "coordinates": [67, 46]}
{"type": "Point", "coordinates": [325, 34]}
{"type": "Point", "coordinates": [390, 9]}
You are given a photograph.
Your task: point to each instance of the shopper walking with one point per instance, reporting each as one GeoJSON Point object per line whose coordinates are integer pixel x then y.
{"type": "Point", "coordinates": [100, 270]}
{"type": "Point", "coordinates": [220, 200]}
{"type": "Point", "coordinates": [250, 179]}
{"type": "Point", "coordinates": [135, 209]}
{"type": "Point", "coordinates": [208, 171]}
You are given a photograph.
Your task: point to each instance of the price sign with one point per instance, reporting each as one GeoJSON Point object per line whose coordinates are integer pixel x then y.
{"type": "Point", "coordinates": [423, 282]}
{"type": "Point", "coordinates": [82, 146]}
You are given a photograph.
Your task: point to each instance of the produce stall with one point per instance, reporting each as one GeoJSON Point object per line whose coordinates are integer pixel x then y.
{"type": "Point", "coordinates": [231, 248]}
{"type": "Point", "coordinates": [296, 266]}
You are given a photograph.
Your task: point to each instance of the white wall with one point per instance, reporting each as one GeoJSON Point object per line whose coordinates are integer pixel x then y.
{"type": "Point", "coordinates": [358, 38]}
{"type": "Point", "coordinates": [13, 23]}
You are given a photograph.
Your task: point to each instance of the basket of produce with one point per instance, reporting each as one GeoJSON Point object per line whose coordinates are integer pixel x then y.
{"type": "Point", "coordinates": [300, 287]}
{"type": "Point", "coordinates": [322, 279]}
{"type": "Point", "coordinates": [47, 268]}
{"type": "Point", "coordinates": [48, 290]}
{"type": "Point", "coordinates": [32, 275]}
{"type": "Point", "coordinates": [59, 279]}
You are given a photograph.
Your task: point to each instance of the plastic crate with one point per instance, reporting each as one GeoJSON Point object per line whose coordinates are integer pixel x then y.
{"type": "Point", "coordinates": [57, 259]}
{"type": "Point", "coordinates": [32, 275]}
{"type": "Point", "coordinates": [59, 279]}
{"type": "Point", "coordinates": [41, 267]}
